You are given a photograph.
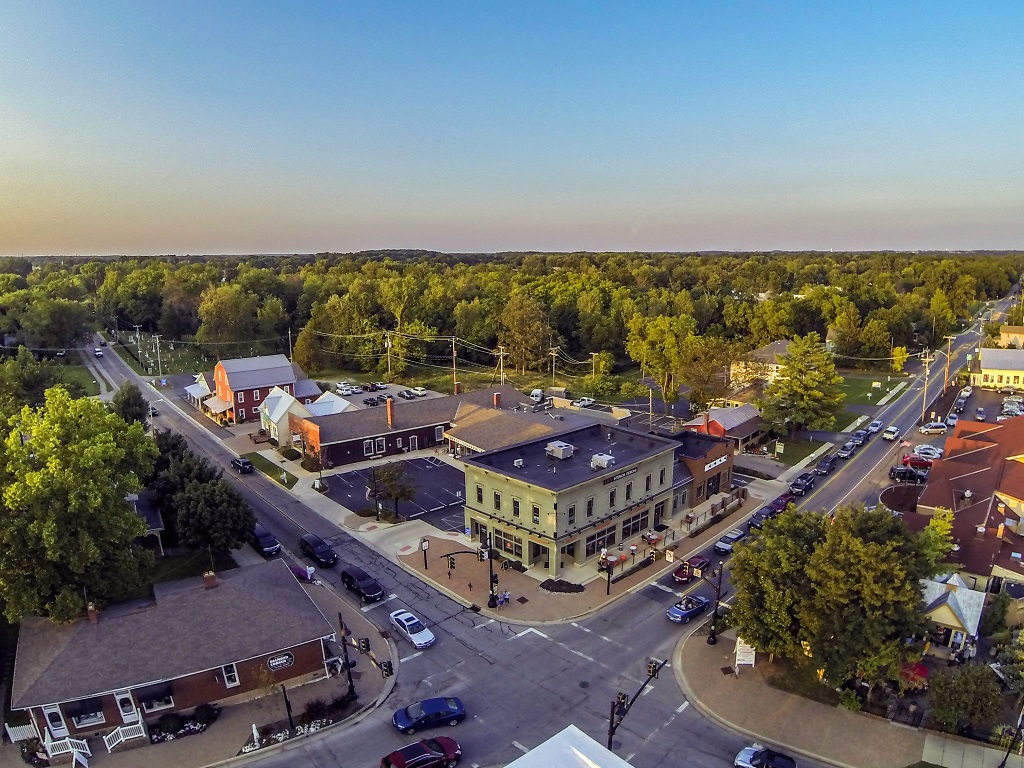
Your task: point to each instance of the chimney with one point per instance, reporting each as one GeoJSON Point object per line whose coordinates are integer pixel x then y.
{"type": "Point", "coordinates": [391, 413]}
{"type": "Point", "coordinates": [92, 613]}
{"type": "Point", "coordinates": [209, 580]}
{"type": "Point", "coordinates": [979, 532]}
{"type": "Point", "coordinates": [497, 399]}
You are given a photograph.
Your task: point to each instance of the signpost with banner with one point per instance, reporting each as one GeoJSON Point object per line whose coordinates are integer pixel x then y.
{"type": "Point", "coordinates": [779, 446]}
{"type": "Point", "coordinates": [745, 655]}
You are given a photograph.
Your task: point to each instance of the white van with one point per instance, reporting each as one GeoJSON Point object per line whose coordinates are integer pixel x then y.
{"type": "Point", "coordinates": [537, 395]}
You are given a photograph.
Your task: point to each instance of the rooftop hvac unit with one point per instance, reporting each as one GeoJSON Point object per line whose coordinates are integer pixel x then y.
{"type": "Point", "coordinates": [518, 463]}
{"type": "Point", "coordinates": [601, 461]}
{"type": "Point", "coordinates": [559, 450]}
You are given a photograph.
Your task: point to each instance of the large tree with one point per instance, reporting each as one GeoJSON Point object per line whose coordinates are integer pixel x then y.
{"type": "Point", "coordinates": [970, 693]}
{"type": "Point", "coordinates": [24, 381]}
{"type": "Point", "coordinates": [130, 404]}
{"type": "Point", "coordinates": [66, 529]}
{"type": "Point", "coordinates": [704, 368]}
{"type": "Point", "coordinates": [524, 332]}
{"type": "Point", "coordinates": [656, 344]}
{"type": "Point", "coordinates": [212, 515]}
{"type": "Point", "coordinates": [806, 393]}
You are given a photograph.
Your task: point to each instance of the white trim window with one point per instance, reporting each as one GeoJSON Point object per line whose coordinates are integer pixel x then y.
{"type": "Point", "coordinates": [367, 447]}
{"type": "Point", "coordinates": [381, 445]}
{"type": "Point", "coordinates": [255, 411]}
{"type": "Point", "coordinates": [230, 676]}
{"type": "Point", "coordinates": [438, 434]}
{"type": "Point", "coordinates": [158, 704]}
{"type": "Point", "coordinates": [241, 397]}
{"type": "Point", "coordinates": [398, 442]}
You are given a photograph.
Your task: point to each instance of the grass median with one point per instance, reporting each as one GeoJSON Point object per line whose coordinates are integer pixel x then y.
{"type": "Point", "coordinates": [271, 470]}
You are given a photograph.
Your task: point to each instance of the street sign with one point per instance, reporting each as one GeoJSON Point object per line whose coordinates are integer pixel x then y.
{"type": "Point", "coordinates": [745, 655]}
{"type": "Point", "coordinates": [779, 446]}
{"type": "Point", "coordinates": [670, 556]}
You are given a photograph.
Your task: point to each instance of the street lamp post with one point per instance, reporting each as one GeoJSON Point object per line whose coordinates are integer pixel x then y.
{"type": "Point", "coordinates": [492, 598]}
{"type": "Point", "coordinates": [713, 634]}
{"type": "Point", "coordinates": [344, 653]}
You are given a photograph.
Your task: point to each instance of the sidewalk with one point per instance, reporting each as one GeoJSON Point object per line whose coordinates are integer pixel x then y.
{"type": "Point", "coordinates": [748, 705]}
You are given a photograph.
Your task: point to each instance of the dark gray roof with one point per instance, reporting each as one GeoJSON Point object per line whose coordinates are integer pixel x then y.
{"type": "Point", "coordinates": [253, 611]}
{"type": "Point", "coordinates": [146, 509]}
{"type": "Point", "coordinates": [306, 388]}
{"type": "Point", "coordinates": [627, 447]}
{"type": "Point", "coordinates": [485, 428]}
{"type": "Point", "coordinates": [408, 415]}
{"type": "Point", "coordinates": [261, 371]}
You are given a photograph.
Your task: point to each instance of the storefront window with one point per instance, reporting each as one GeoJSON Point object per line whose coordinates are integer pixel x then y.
{"type": "Point", "coordinates": [507, 543]}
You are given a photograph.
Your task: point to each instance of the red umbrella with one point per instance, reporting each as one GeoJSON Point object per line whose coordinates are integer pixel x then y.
{"type": "Point", "coordinates": [915, 674]}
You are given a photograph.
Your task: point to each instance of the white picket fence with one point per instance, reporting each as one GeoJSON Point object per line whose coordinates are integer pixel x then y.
{"type": "Point", "coordinates": [123, 733]}
{"type": "Point", "coordinates": [18, 733]}
{"type": "Point", "coordinates": [66, 747]}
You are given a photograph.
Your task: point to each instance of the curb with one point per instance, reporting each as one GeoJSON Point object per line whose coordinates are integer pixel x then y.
{"type": "Point", "coordinates": [677, 671]}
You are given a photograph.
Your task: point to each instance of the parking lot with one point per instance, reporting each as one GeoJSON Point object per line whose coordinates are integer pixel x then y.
{"type": "Point", "coordinates": [438, 499]}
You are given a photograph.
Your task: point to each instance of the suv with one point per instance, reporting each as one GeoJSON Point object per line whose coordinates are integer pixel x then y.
{"type": "Point", "coordinates": [242, 466]}
{"type": "Point", "coordinates": [802, 484]}
{"type": "Point", "coordinates": [826, 464]}
{"type": "Point", "coordinates": [318, 550]}
{"type": "Point", "coordinates": [429, 753]}
{"type": "Point", "coordinates": [935, 427]}
{"type": "Point", "coordinates": [264, 542]}
{"type": "Point", "coordinates": [891, 433]}
{"type": "Point", "coordinates": [959, 405]}
{"type": "Point", "coordinates": [762, 515]}
{"type": "Point", "coordinates": [849, 449]}
{"type": "Point", "coordinates": [359, 581]}
{"type": "Point", "coordinates": [859, 437]}
{"type": "Point", "coordinates": [908, 475]}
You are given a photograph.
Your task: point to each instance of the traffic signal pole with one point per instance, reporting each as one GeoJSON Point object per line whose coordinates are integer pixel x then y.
{"type": "Point", "coordinates": [344, 655]}
{"type": "Point", "coordinates": [622, 704]}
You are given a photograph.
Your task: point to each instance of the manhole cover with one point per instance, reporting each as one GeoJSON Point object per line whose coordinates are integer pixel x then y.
{"type": "Point", "coordinates": [584, 684]}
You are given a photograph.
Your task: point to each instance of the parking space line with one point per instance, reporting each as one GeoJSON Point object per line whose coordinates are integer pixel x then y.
{"type": "Point", "coordinates": [682, 706]}
{"type": "Point", "coordinates": [519, 746]}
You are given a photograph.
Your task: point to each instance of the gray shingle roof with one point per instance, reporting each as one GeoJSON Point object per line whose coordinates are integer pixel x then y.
{"type": "Point", "coordinates": [261, 371]}
{"type": "Point", "coordinates": [1002, 359]}
{"type": "Point", "coordinates": [253, 611]}
{"type": "Point", "coordinates": [770, 353]}
{"type": "Point", "coordinates": [728, 418]}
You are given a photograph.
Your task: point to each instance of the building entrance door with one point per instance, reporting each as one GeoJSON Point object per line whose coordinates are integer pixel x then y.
{"type": "Point", "coordinates": [713, 484]}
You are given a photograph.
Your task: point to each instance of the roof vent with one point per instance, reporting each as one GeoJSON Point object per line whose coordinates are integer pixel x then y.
{"type": "Point", "coordinates": [558, 449]}
{"type": "Point", "coordinates": [602, 461]}
{"type": "Point", "coordinates": [518, 463]}
{"type": "Point", "coordinates": [968, 494]}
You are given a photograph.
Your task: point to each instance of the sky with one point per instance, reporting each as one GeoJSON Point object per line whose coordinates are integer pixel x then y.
{"type": "Point", "coordinates": [297, 127]}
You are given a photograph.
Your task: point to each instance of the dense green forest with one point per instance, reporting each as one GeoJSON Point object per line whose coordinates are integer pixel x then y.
{"type": "Point", "coordinates": [349, 311]}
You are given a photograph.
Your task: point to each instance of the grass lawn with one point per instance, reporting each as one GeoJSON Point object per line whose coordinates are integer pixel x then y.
{"type": "Point", "coordinates": [270, 469]}
{"type": "Point", "coordinates": [846, 418]}
{"type": "Point", "coordinates": [176, 358]}
{"type": "Point", "coordinates": [858, 388]}
{"type": "Point", "coordinates": [794, 451]}
{"type": "Point", "coordinates": [81, 375]}
{"type": "Point", "coordinates": [802, 680]}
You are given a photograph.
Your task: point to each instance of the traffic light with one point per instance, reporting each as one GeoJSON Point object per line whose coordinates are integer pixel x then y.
{"type": "Point", "coordinates": [451, 562]}
{"type": "Point", "coordinates": [363, 645]}
{"type": "Point", "coordinates": [652, 669]}
{"type": "Point", "coordinates": [654, 556]}
{"type": "Point", "coordinates": [482, 554]}
{"type": "Point", "coordinates": [621, 698]}
{"type": "Point", "coordinates": [386, 669]}
{"type": "Point", "coordinates": [494, 579]}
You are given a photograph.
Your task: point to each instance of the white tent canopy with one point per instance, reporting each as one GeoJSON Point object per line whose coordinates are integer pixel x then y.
{"type": "Point", "coordinates": [569, 748]}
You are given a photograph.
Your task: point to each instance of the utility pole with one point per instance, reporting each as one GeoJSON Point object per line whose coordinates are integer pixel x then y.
{"type": "Point", "coordinates": [159, 366]}
{"type": "Point", "coordinates": [593, 365]}
{"type": "Point", "coordinates": [553, 352]}
{"type": "Point", "coordinates": [387, 346]}
{"type": "Point", "coordinates": [289, 342]}
{"type": "Point", "coordinates": [455, 378]}
{"type": "Point", "coordinates": [949, 344]}
{"type": "Point", "coordinates": [924, 395]}
{"type": "Point", "coordinates": [344, 654]}
{"type": "Point", "coordinates": [485, 551]}
{"type": "Point", "coordinates": [501, 365]}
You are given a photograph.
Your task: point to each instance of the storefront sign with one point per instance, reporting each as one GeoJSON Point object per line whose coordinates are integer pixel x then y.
{"type": "Point", "coordinates": [716, 463]}
{"type": "Point", "coordinates": [620, 475]}
{"type": "Point", "coordinates": [280, 661]}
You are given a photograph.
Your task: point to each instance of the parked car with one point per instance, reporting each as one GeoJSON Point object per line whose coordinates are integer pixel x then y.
{"type": "Point", "coordinates": [966, 391]}
{"type": "Point", "coordinates": [928, 451]}
{"type": "Point", "coordinates": [951, 420]}
{"type": "Point", "coordinates": [802, 484]}
{"type": "Point", "coordinates": [959, 405]}
{"type": "Point", "coordinates": [419, 391]}
{"type": "Point", "coordinates": [849, 448]}
{"type": "Point", "coordinates": [103, 343]}
{"type": "Point", "coordinates": [1007, 390]}
{"type": "Point", "coordinates": [917, 462]}
{"type": "Point", "coordinates": [692, 569]}
{"type": "Point", "coordinates": [782, 502]}
{"type": "Point", "coordinates": [384, 398]}
{"type": "Point", "coordinates": [242, 466]}
{"type": "Point", "coordinates": [859, 437]}
{"type": "Point", "coordinates": [891, 433]}
{"type": "Point", "coordinates": [979, 414]}
{"type": "Point", "coordinates": [763, 515]}
{"type": "Point", "coordinates": [429, 753]}
{"type": "Point", "coordinates": [826, 464]}
{"type": "Point", "coordinates": [687, 608]}
{"type": "Point", "coordinates": [875, 427]}
{"type": "Point", "coordinates": [264, 542]}
{"type": "Point", "coordinates": [359, 581]}
{"type": "Point", "coordinates": [411, 628]}
{"type": "Point", "coordinates": [1019, 399]}
{"type": "Point", "coordinates": [380, 385]}
{"type": "Point", "coordinates": [429, 713]}
{"type": "Point", "coordinates": [98, 352]}
{"type": "Point", "coordinates": [406, 394]}
{"type": "Point", "coordinates": [318, 550]}
{"type": "Point", "coordinates": [724, 545]}
{"type": "Point", "coordinates": [908, 475]}
{"type": "Point", "coordinates": [758, 756]}
{"type": "Point", "coordinates": [933, 428]}
{"type": "Point", "coordinates": [371, 401]}
{"type": "Point", "coordinates": [583, 402]}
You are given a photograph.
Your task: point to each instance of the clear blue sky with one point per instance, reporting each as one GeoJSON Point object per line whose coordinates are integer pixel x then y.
{"type": "Point", "coordinates": [230, 127]}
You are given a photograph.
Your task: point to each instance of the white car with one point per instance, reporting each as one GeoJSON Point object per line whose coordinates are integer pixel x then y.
{"type": "Point", "coordinates": [928, 451]}
{"type": "Point", "coordinates": [934, 428]}
{"type": "Point", "coordinates": [98, 352]}
{"type": "Point", "coordinates": [412, 629]}
{"type": "Point", "coordinates": [583, 402]}
{"type": "Point", "coordinates": [891, 433]}
{"type": "Point", "coordinates": [875, 427]}
{"type": "Point", "coordinates": [952, 419]}
{"type": "Point", "coordinates": [419, 391]}
{"type": "Point", "coordinates": [967, 391]}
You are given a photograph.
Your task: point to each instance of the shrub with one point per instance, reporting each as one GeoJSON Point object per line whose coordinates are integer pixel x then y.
{"type": "Point", "coordinates": [850, 700]}
{"type": "Point", "coordinates": [310, 464]}
{"type": "Point", "coordinates": [205, 714]}
{"type": "Point", "coordinates": [993, 620]}
{"type": "Point", "coordinates": [170, 723]}
{"type": "Point", "coordinates": [290, 453]}
{"type": "Point", "coordinates": [316, 709]}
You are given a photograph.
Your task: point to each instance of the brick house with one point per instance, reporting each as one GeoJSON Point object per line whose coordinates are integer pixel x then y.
{"type": "Point", "coordinates": [241, 385]}
{"type": "Point", "coordinates": [202, 640]}
{"type": "Point", "coordinates": [742, 426]}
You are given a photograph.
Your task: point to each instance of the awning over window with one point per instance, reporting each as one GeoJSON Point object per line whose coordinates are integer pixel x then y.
{"type": "Point", "coordinates": [216, 405]}
{"type": "Point", "coordinates": [198, 391]}
{"type": "Point", "coordinates": [149, 694]}
{"type": "Point", "coordinates": [83, 707]}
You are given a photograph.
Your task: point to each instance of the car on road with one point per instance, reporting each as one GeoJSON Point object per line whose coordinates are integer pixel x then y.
{"type": "Point", "coordinates": [826, 464]}
{"type": "Point", "coordinates": [849, 448]}
{"type": "Point", "coordinates": [802, 484]}
{"type": "Point", "coordinates": [429, 753]}
{"type": "Point", "coordinates": [758, 756]}
{"type": "Point", "coordinates": [242, 466]}
{"type": "Point", "coordinates": [263, 541]}
{"type": "Point", "coordinates": [411, 628]}
{"type": "Point", "coordinates": [908, 475]}
{"type": "Point", "coordinates": [687, 608]}
{"type": "Point", "coordinates": [917, 461]}
{"type": "Point", "coordinates": [782, 502]}
{"type": "Point", "coordinates": [874, 427]}
{"type": "Point", "coordinates": [419, 391]}
{"type": "Point", "coordinates": [933, 428]}
{"type": "Point", "coordinates": [724, 545]}
{"type": "Point", "coordinates": [318, 550]}
{"type": "Point", "coordinates": [763, 515]}
{"type": "Point", "coordinates": [859, 437]}
{"type": "Point", "coordinates": [928, 451]}
{"type": "Point", "coordinates": [959, 405]}
{"type": "Point", "coordinates": [891, 433]}
{"type": "Point", "coordinates": [152, 410]}
{"type": "Point", "coordinates": [103, 343]}
{"type": "Point", "coordinates": [371, 401]}
{"type": "Point", "coordinates": [951, 420]}
{"type": "Point", "coordinates": [692, 569]}
{"type": "Point", "coordinates": [429, 713]}
{"type": "Point", "coordinates": [583, 402]}
{"type": "Point", "coordinates": [361, 583]}
{"type": "Point", "coordinates": [98, 352]}
{"type": "Point", "coordinates": [979, 414]}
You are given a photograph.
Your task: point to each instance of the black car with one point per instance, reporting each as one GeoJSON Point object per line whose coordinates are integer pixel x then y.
{"type": "Point", "coordinates": [359, 581]}
{"type": "Point", "coordinates": [826, 464]}
{"type": "Point", "coordinates": [371, 387]}
{"type": "Point", "coordinates": [802, 484]}
{"type": "Point", "coordinates": [860, 437]}
{"type": "Point", "coordinates": [318, 550]}
{"type": "Point", "coordinates": [761, 516]}
{"type": "Point", "coordinates": [264, 542]}
{"type": "Point", "coordinates": [242, 466]}
{"type": "Point", "coordinates": [908, 475]}
{"type": "Point", "coordinates": [959, 405]}
{"type": "Point", "coordinates": [371, 401]}
{"type": "Point", "coordinates": [429, 713]}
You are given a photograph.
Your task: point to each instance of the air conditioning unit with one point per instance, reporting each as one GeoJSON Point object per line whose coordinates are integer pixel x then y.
{"type": "Point", "coordinates": [602, 461]}
{"type": "Point", "coordinates": [518, 463]}
{"type": "Point", "coordinates": [558, 449]}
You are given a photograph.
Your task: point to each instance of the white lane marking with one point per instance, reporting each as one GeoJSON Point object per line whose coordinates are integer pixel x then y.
{"type": "Point", "coordinates": [630, 756]}
{"type": "Point", "coordinates": [517, 745]}
{"type": "Point", "coordinates": [606, 639]}
{"type": "Point", "coordinates": [682, 706]}
{"type": "Point", "coordinates": [663, 588]}
{"type": "Point", "coordinates": [529, 630]}
{"type": "Point", "coordinates": [489, 621]}
{"type": "Point", "coordinates": [579, 626]}
{"type": "Point", "coordinates": [371, 606]}
{"type": "Point", "coordinates": [578, 653]}
{"type": "Point", "coordinates": [647, 689]}
{"type": "Point", "coordinates": [411, 656]}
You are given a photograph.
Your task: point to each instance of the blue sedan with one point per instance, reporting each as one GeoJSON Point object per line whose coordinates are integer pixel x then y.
{"type": "Point", "coordinates": [687, 608]}
{"type": "Point", "coordinates": [429, 713]}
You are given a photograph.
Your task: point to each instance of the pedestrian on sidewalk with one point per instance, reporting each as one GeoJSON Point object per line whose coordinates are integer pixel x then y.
{"type": "Point", "coordinates": [501, 600]}
{"type": "Point", "coordinates": [506, 597]}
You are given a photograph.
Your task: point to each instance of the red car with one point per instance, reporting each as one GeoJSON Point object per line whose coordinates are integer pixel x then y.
{"type": "Point", "coordinates": [917, 462]}
{"type": "Point", "coordinates": [691, 569]}
{"type": "Point", "coordinates": [429, 753]}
